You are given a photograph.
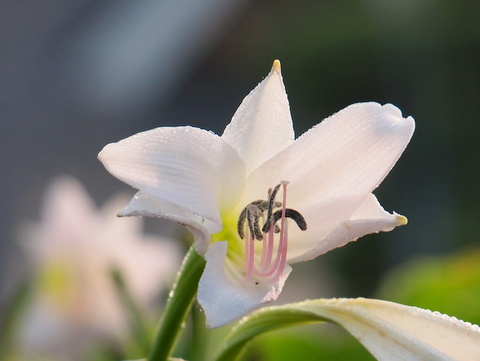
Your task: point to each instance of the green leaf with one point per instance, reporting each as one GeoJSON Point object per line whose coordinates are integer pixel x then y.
{"type": "Point", "coordinates": [13, 314]}
{"type": "Point", "coordinates": [169, 359]}
{"type": "Point", "coordinates": [388, 330]}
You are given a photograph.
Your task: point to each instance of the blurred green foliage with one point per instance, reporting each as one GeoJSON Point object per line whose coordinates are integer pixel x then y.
{"type": "Point", "coordinates": [448, 284]}
{"type": "Point", "coordinates": [307, 343]}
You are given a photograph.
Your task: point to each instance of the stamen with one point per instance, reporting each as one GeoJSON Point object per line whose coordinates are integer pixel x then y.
{"type": "Point", "coordinates": [249, 253]}
{"type": "Point", "coordinates": [249, 229]}
{"type": "Point", "coordinates": [251, 214]}
{"type": "Point", "coordinates": [293, 214]}
{"type": "Point", "coordinates": [271, 204]}
{"type": "Point", "coordinates": [283, 243]}
{"type": "Point", "coordinates": [281, 257]}
{"type": "Point", "coordinates": [252, 219]}
{"type": "Point", "coordinates": [241, 223]}
{"type": "Point", "coordinates": [267, 250]}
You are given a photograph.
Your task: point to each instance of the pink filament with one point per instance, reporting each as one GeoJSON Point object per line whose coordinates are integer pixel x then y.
{"type": "Point", "coordinates": [267, 251]}
{"type": "Point", "coordinates": [267, 270]}
{"type": "Point", "coordinates": [249, 252]}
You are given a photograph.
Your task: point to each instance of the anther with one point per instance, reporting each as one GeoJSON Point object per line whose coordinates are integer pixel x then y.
{"type": "Point", "coordinates": [251, 213]}
{"type": "Point", "coordinates": [271, 204]}
{"type": "Point", "coordinates": [293, 214]}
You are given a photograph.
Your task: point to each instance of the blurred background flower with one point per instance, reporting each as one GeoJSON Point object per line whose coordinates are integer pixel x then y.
{"type": "Point", "coordinates": [74, 305]}
{"type": "Point", "coordinates": [75, 76]}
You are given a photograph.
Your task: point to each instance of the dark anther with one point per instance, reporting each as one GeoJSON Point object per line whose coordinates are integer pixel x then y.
{"type": "Point", "coordinates": [293, 214]}
{"type": "Point", "coordinates": [271, 204]}
{"type": "Point", "coordinates": [251, 213]}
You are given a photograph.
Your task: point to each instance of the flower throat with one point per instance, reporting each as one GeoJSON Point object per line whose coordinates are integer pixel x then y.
{"type": "Point", "coordinates": [273, 259]}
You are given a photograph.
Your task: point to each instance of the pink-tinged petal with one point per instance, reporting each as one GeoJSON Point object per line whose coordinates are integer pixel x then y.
{"type": "Point", "coordinates": [334, 166]}
{"type": "Point", "coordinates": [391, 331]}
{"type": "Point", "coordinates": [224, 299]}
{"type": "Point", "coordinates": [370, 217]}
{"type": "Point", "coordinates": [262, 125]}
{"type": "Point", "coordinates": [143, 204]}
{"type": "Point", "coordinates": [184, 166]}
{"type": "Point", "coordinates": [66, 207]}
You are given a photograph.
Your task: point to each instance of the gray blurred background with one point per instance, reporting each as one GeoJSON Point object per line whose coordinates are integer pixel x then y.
{"type": "Point", "coordinates": [76, 75]}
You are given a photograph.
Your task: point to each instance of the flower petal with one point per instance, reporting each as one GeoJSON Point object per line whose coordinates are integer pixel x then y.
{"type": "Point", "coordinates": [67, 209]}
{"type": "Point", "coordinates": [392, 331]}
{"type": "Point", "coordinates": [370, 217]}
{"type": "Point", "coordinates": [143, 204]}
{"type": "Point", "coordinates": [334, 166]}
{"type": "Point", "coordinates": [222, 300]}
{"type": "Point", "coordinates": [262, 125]}
{"type": "Point", "coordinates": [183, 165]}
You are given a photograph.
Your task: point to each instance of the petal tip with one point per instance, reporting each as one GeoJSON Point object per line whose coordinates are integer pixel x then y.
{"type": "Point", "coordinates": [401, 220]}
{"type": "Point", "coordinates": [103, 153]}
{"type": "Point", "coordinates": [398, 113]}
{"type": "Point", "coordinates": [99, 155]}
{"type": "Point", "coordinates": [126, 212]}
{"type": "Point", "coordinates": [276, 67]}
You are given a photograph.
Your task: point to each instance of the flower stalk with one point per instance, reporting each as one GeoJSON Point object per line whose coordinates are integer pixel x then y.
{"type": "Point", "coordinates": [178, 307]}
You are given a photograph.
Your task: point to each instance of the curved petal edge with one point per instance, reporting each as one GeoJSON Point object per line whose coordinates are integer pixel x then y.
{"type": "Point", "coordinates": [391, 331]}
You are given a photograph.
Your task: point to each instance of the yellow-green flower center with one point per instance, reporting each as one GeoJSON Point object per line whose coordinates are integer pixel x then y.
{"type": "Point", "coordinates": [56, 282]}
{"type": "Point", "coordinates": [257, 245]}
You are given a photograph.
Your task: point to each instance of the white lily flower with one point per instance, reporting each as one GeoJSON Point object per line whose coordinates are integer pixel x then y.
{"type": "Point", "coordinates": [391, 331]}
{"type": "Point", "coordinates": [239, 193]}
{"type": "Point", "coordinates": [72, 252]}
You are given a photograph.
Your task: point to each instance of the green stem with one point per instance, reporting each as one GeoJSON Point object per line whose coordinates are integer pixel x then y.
{"type": "Point", "coordinates": [13, 314]}
{"type": "Point", "coordinates": [135, 316]}
{"type": "Point", "coordinates": [178, 306]}
{"type": "Point", "coordinates": [259, 322]}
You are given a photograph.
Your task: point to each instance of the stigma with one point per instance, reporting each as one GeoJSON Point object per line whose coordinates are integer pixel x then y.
{"type": "Point", "coordinates": [266, 221]}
